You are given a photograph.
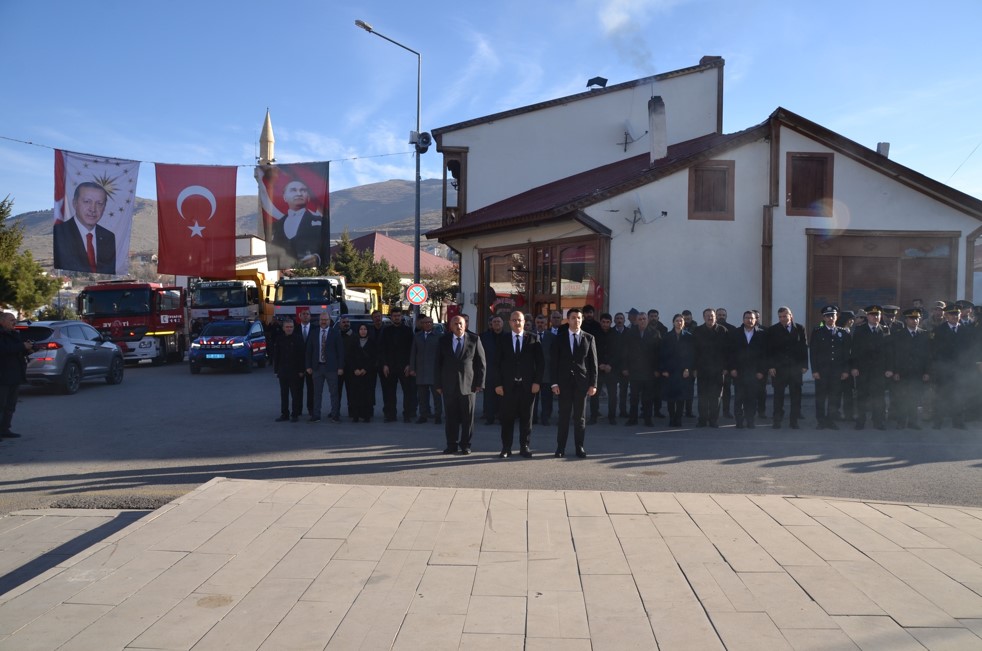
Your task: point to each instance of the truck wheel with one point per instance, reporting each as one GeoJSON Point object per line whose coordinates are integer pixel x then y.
{"type": "Point", "coordinates": [71, 377]}
{"type": "Point", "coordinates": [115, 375]}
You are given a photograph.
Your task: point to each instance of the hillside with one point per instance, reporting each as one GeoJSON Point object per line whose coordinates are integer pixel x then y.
{"type": "Point", "coordinates": [388, 207]}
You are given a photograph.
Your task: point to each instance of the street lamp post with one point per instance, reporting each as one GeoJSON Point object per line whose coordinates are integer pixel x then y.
{"type": "Point", "coordinates": [419, 68]}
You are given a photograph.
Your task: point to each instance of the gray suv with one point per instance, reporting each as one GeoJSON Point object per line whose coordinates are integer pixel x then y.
{"type": "Point", "coordinates": [67, 352]}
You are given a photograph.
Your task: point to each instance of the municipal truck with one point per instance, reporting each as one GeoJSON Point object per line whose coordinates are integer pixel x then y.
{"type": "Point", "coordinates": [245, 297]}
{"type": "Point", "coordinates": [146, 320]}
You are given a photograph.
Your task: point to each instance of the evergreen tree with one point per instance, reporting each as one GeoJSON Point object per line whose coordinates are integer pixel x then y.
{"type": "Point", "coordinates": [23, 282]}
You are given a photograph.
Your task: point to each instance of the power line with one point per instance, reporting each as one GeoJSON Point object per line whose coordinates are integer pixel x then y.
{"type": "Point", "coordinates": [337, 160]}
{"type": "Point", "coordinates": [964, 161]}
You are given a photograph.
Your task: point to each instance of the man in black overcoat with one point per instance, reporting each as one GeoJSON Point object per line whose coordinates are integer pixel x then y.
{"type": "Point", "coordinates": [787, 360]}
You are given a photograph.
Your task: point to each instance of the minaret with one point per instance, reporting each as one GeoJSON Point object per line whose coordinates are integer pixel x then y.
{"type": "Point", "coordinates": [266, 142]}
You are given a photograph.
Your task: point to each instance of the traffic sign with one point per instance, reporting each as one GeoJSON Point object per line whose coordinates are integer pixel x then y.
{"type": "Point", "coordinates": [416, 294]}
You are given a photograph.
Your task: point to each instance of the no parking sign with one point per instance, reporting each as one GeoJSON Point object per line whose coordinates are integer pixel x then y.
{"type": "Point", "coordinates": [416, 294]}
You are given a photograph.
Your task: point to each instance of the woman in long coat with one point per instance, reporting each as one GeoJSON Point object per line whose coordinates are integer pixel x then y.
{"type": "Point", "coordinates": [676, 358]}
{"type": "Point", "coordinates": [360, 370]}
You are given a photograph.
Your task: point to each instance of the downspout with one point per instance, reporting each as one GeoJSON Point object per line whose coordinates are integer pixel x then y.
{"type": "Point", "coordinates": [767, 230]}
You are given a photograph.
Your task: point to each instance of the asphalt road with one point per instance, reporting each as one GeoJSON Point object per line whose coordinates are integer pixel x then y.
{"type": "Point", "coordinates": [163, 432]}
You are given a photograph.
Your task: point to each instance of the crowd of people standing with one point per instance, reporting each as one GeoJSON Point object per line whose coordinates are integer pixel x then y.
{"type": "Point", "coordinates": [630, 366]}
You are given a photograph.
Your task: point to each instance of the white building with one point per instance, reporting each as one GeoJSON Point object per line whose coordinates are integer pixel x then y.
{"type": "Point", "coordinates": [631, 196]}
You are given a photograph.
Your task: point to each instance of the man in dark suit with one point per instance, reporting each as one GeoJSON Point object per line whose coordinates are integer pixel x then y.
{"type": "Point", "coordinates": [727, 397]}
{"type": "Point", "coordinates": [460, 368]}
{"type": "Point", "coordinates": [640, 365]}
{"type": "Point", "coordinates": [395, 345]}
{"type": "Point", "coordinates": [574, 379]}
{"type": "Point", "coordinates": [80, 244]}
{"type": "Point", "coordinates": [787, 360]}
{"type": "Point", "coordinates": [829, 354]}
{"type": "Point", "coordinates": [711, 344]}
{"type": "Point", "coordinates": [325, 363]}
{"type": "Point", "coordinates": [748, 366]}
{"type": "Point", "coordinates": [298, 236]}
{"type": "Point", "coordinates": [288, 364]}
{"type": "Point", "coordinates": [871, 369]}
{"type": "Point", "coordinates": [910, 356]}
{"type": "Point", "coordinates": [305, 330]}
{"type": "Point", "coordinates": [519, 362]}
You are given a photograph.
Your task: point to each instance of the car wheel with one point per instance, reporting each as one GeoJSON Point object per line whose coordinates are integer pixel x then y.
{"type": "Point", "coordinates": [247, 367]}
{"type": "Point", "coordinates": [115, 375]}
{"type": "Point", "coordinates": [195, 368]}
{"type": "Point", "coordinates": [71, 377]}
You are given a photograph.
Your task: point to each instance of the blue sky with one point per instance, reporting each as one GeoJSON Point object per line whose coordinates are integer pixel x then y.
{"type": "Point", "coordinates": [189, 81]}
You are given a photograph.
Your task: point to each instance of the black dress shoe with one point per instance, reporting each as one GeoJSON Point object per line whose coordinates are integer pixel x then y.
{"type": "Point", "coordinates": [545, 422]}
{"type": "Point", "coordinates": [437, 421]}
{"type": "Point", "coordinates": [282, 419]}
{"type": "Point", "coordinates": [386, 419]}
{"type": "Point", "coordinates": [313, 420]}
{"type": "Point", "coordinates": [421, 420]}
{"type": "Point", "coordinates": [10, 435]}
{"type": "Point", "coordinates": [631, 421]}
{"type": "Point", "coordinates": [409, 419]}
{"type": "Point", "coordinates": [526, 453]}
{"type": "Point", "coordinates": [794, 425]}
{"type": "Point", "coordinates": [648, 422]}
{"type": "Point", "coordinates": [658, 414]}
{"type": "Point", "coordinates": [592, 421]}
{"type": "Point", "coordinates": [581, 453]}
{"type": "Point", "coordinates": [465, 451]}
{"type": "Point", "coordinates": [504, 454]}
{"type": "Point", "coordinates": [450, 451]}
{"type": "Point", "coordinates": [560, 453]}
{"type": "Point", "coordinates": [354, 420]}
{"type": "Point", "coordinates": [612, 420]}
{"type": "Point", "coordinates": [294, 419]}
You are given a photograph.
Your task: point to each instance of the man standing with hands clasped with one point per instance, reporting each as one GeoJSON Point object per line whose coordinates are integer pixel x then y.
{"type": "Point", "coordinates": [459, 376]}
{"type": "Point", "coordinates": [519, 363]}
{"type": "Point", "coordinates": [574, 377]}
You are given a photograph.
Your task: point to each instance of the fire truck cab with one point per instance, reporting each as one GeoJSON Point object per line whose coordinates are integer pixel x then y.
{"type": "Point", "coordinates": [146, 320]}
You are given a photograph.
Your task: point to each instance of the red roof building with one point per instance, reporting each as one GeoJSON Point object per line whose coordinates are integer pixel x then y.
{"type": "Point", "coordinates": [397, 254]}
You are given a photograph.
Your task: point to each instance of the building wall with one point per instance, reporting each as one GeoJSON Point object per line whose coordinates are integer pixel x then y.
{"type": "Point", "coordinates": [864, 200]}
{"type": "Point", "coordinates": [673, 263]}
{"type": "Point", "coordinates": [521, 152]}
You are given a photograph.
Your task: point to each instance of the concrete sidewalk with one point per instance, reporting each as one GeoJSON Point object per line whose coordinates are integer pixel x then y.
{"type": "Point", "coordinates": [243, 565]}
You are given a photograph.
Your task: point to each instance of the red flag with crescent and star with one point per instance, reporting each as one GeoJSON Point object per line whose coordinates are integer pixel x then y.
{"type": "Point", "coordinates": [196, 220]}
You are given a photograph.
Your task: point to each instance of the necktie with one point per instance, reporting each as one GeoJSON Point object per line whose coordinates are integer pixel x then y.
{"type": "Point", "coordinates": [323, 345]}
{"type": "Point", "coordinates": [90, 250]}
{"type": "Point", "coordinates": [518, 344]}
{"type": "Point", "coordinates": [456, 346]}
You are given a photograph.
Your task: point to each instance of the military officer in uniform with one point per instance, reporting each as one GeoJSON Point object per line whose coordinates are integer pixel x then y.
{"type": "Point", "coordinates": [830, 346]}
{"type": "Point", "coordinates": [871, 368]}
{"type": "Point", "coordinates": [952, 367]}
{"type": "Point", "coordinates": [910, 356]}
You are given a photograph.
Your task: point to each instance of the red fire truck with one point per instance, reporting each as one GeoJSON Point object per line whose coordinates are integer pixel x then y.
{"type": "Point", "coordinates": [146, 320]}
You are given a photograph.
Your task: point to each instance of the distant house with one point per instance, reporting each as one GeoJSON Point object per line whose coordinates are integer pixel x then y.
{"type": "Point", "coordinates": [631, 196]}
{"type": "Point", "coordinates": [398, 254]}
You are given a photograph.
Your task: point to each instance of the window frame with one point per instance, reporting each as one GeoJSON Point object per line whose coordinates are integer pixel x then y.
{"type": "Point", "coordinates": [728, 166]}
{"type": "Point", "coordinates": [825, 204]}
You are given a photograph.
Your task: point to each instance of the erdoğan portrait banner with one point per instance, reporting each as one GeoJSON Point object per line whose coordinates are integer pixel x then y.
{"type": "Point", "coordinates": [93, 214]}
{"type": "Point", "coordinates": [293, 201]}
{"type": "Point", "coordinates": [196, 220]}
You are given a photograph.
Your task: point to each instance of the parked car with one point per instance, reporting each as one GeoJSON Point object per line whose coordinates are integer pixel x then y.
{"type": "Point", "coordinates": [67, 352]}
{"type": "Point", "coordinates": [232, 343]}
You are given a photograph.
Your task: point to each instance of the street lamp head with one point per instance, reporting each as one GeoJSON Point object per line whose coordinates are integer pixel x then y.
{"type": "Point", "coordinates": [365, 26]}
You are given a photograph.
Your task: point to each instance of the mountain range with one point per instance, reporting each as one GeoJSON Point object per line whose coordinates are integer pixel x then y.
{"type": "Point", "coordinates": [388, 207]}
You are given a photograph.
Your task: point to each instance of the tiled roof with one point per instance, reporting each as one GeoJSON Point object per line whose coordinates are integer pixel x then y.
{"type": "Point", "coordinates": [556, 199]}
{"type": "Point", "coordinates": [396, 253]}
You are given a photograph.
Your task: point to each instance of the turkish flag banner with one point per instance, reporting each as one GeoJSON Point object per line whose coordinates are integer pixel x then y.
{"type": "Point", "coordinates": [196, 220]}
